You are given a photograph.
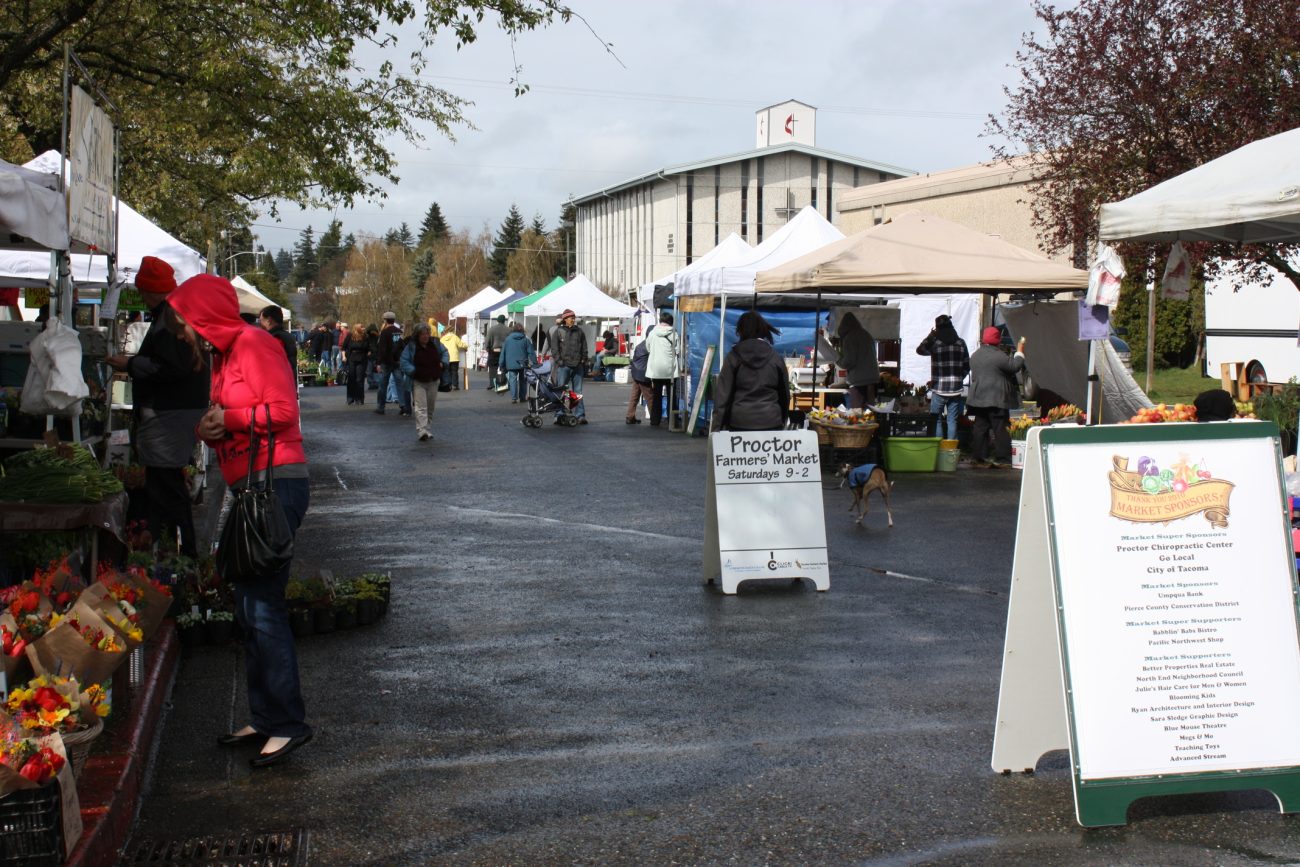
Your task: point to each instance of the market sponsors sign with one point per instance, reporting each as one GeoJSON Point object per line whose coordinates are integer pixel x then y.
{"type": "Point", "coordinates": [766, 503]}
{"type": "Point", "coordinates": [1151, 494]}
{"type": "Point", "coordinates": [90, 174]}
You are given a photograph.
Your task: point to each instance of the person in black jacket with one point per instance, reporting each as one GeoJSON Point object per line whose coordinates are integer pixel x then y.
{"type": "Point", "coordinates": [356, 352]}
{"type": "Point", "coordinates": [170, 394]}
{"type": "Point", "coordinates": [753, 389]}
{"type": "Point", "coordinates": [272, 319]}
{"type": "Point", "coordinates": [641, 386]}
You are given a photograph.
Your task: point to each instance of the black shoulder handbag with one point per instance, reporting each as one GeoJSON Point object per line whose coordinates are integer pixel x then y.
{"type": "Point", "coordinates": [256, 542]}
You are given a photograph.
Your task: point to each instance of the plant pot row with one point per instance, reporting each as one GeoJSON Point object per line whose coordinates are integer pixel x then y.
{"type": "Point", "coordinates": [325, 619]}
{"type": "Point", "coordinates": [216, 632]}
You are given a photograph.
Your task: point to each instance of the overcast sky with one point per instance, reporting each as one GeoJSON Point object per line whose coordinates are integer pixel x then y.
{"type": "Point", "coordinates": [907, 83]}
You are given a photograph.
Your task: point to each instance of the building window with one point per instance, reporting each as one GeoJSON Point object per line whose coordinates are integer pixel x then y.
{"type": "Point", "coordinates": [744, 200]}
{"type": "Point", "coordinates": [717, 207]}
{"type": "Point", "coordinates": [812, 173]}
{"type": "Point", "coordinates": [758, 209]}
{"type": "Point", "coordinates": [690, 216]}
{"type": "Point", "coordinates": [830, 189]}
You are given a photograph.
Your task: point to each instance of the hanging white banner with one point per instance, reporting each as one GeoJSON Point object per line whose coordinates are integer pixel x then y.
{"type": "Point", "coordinates": [90, 180]}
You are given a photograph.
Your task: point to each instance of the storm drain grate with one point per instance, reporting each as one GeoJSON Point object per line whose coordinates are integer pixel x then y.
{"type": "Point", "coordinates": [264, 849]}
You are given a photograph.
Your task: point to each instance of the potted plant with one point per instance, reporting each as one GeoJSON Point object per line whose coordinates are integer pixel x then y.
{"type": "Point", "coordinates": [369, 598]}
{"type": "Point", "coordinates": [381, 581]}
{"type": "Point", "coordinates": [345, 605]}
{"type": "Point", "coordinates": [1281, 407]}
{"type": "Point", "coordinates": [191, 628]}
{"type": "Point", "coordinates": [221, 626]}
{"type": "Point", "coordinates": [295, 594]}
{"type": "Point", "coordinates": [320, 603]}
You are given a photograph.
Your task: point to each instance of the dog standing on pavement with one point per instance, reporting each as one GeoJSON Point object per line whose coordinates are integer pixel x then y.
{"type": "Point", "coordinates": [862, 481]}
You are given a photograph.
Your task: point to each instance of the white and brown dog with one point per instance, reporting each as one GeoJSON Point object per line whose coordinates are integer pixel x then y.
{"type": "Point", "coordinates": [862, 480]}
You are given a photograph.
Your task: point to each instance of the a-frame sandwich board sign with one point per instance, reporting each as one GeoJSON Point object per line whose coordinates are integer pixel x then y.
{"type": "Point", "coordinates": [1152, 626]}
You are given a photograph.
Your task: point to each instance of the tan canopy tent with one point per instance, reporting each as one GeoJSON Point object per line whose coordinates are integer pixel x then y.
{"type": "Point", "coordinates": [921, 253]}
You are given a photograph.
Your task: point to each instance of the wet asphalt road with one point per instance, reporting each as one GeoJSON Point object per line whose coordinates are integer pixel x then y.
{"type": "Point", "coordinates": [554, 685]}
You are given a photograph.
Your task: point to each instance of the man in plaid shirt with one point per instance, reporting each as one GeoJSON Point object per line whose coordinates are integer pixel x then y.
{"type": "Point", "coordinates": [949, 367]}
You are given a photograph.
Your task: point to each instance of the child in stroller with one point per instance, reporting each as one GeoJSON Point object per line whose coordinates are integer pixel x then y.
{"type": "Point", "coordinates": [544, 397]}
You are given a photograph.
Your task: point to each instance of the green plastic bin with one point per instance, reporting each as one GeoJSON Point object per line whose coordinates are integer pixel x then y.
{"type": "Point", "coordinates": [911, 454]}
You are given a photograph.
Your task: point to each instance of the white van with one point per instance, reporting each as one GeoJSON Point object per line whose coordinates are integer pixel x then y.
{"type": "Point", "coordinates": [1258, 326]}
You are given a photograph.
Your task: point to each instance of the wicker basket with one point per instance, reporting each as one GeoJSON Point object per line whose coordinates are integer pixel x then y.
{"type": "Point", "coordinates": [855, 437]}
{"type": "Point", "coordinates": [78, 744]}
{"type": "Point", "coordinates": [823, 432]}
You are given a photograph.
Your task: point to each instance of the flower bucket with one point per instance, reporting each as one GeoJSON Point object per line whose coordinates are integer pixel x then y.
{"type": "Point", "coordinates": [1018, 449]}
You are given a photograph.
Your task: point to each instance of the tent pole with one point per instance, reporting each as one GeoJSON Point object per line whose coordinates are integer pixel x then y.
{"type": "Point", "coordinates": [1151, 331]}
{"type": "Point", "coordinates": [1092, 375]}
{"type": "Point", "coordinates": [817, 321]}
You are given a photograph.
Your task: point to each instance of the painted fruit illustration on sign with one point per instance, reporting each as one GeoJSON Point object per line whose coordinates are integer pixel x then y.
{"type": "Point", "coordinates": [1151, 493]}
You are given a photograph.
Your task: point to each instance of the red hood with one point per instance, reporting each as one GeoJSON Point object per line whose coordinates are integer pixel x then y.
{"type": "Point", "coordinates": [208, 303]}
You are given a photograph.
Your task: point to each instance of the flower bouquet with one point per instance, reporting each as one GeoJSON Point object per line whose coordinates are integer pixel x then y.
{"type": "Point", "coordinates": [57, 705]}
{"type": "Point", "coordinates": [28, 765]}
{"type": "Point", "coordinates": [1065, 413]}
{"type": "Point", "coordinates": [1021, 424]}
{"type": "Point", "coordinates": [81, 645]}
{"type": "Point", "coordinates": [141, 600]}
{"type": "Point", "coordinates": [13, 647]}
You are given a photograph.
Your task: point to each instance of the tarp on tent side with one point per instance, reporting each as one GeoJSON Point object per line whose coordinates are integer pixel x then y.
{"type": "Point", "coordinates": [251, 300]}
{"type": "Point", "coordinates": [916, 320]}
{"type": "Point", "coordinates": [33, 214]}
{"type": "Point", "coordinates": [518, 305]}
{"type": "Point", "coordinates": [137, 238]}
{"type": "Point", "coordinates": [485, 297]}
{"type": "Point", "coordinates": [584, 298]}
{"type": "Point", "coordinates": [499, 308]}
{"type": "Point", "coordinates": [1058, 361]}
{"type": "Point", "coordinates": [921, 253]}
{"type": "Point", "coordinates": [806, 232]}
{"type": "Point", "coordinates": [1250, 195]}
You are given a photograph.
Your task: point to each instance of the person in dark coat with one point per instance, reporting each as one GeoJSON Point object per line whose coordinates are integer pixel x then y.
{"type": "Point", "coordinates": [752, 391]}
{"type": "Point", "coordinates": [494, 339]}
{"type": "Point", "coordinates": [994, 392]}
{"type": "Point", "coordinates": [571, 359]}
{"type": "Point", "coordinates": [319, 342]}
{"type": "Point", "coordinates": [356, 351]}
{"type": "Point", "coordinates": [517, 355]}
{"type": "Point", "coordinates": [272, 319]}
{"type": "Point", "coordinates": [170, 384]}
{"type": "Point", "coordinates": [641, 384]}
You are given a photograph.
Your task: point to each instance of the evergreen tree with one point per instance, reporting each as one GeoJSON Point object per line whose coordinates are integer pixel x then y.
{"type": "Point", "coordinates": [538, 226]}
{"type": "Point", "coordinates": [422, 268]}
{"type": "Point", "coordinates": [405, 238]}
{"type": "Point", "coordinates": [267, 266]}
{"type": "Point", "coordinates": [566, 235]}
{"type": "Point", "coordinates": [283, 263]}
{"type": "Point", "coordinates": [390, 238]}
{"type": "Point", "coordinates": [505, 243]}
{"type": "Point", "coordinates": [330, 245]}
{"type": "Point", "coordinates": [349, 244]}
{"type": "Point", "coordinates": [434, 227]}
{"type": "Point", "coordinates": [305, 266]}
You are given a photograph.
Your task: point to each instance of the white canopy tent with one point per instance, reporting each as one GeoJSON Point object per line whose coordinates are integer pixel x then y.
{"type": "Point", "coordinates": [33, 215]}
{"type": "Point", "coordinates": [483, 298]}
{"type": "Point", "coordinates": [1248, 196]}
{"type": "Point", "coordinates": [137, 238]}
{"type": "Point", "coordinates": [806, 232]}
{"type": "Point", "coordinates": [730, 251]}
{"type": "Point", "coordinates": [252, 301]}
{"type": "Point", "coordinates": [584, 298]}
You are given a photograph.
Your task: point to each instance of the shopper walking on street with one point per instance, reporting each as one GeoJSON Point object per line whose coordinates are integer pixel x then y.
{"type": "Point", "coordinates": [949, 367]}
{"type": "Point", "coordinates": [455, 345]}
{"type": "Point", "coordinates": [390, 339]}
{"type": "Point", "coordinates": [517, 355]}
{"type": "Point", "coordinates": [422, 362]}
{"type": "Point", "coordinates": [641, 388]}
{"type": "Point", "coordinates": [994, 392]}
{"type": "Point", "coordinates": [753, 388]}
{"type": "Point", "coordinates": [661, 365]}
{"type": "Point", "coordinates": [571, 358]}
{"type": "Point", "coordinates": [356, 351]}
{"type": "Point", "coordinates": [496, 337]}
{"type": "Point", "coordinates": [250, 383]}
{"type": "Point", "coordinates": [170, 385]}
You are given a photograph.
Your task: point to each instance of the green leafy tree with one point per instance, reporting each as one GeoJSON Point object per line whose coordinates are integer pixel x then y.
{"type": "Point", "coordinates": [305, 266]}
{"type": "Point", "coordinates": [434, 228]}
{"type": "Point", "coordinates": [1118, 95]}
{"type": "Point", "coordinates": [221, 108]}
{"type": "Point", "coordinates": [505, 243]}
{"type": "Point", "coordinates": [1180, 325]}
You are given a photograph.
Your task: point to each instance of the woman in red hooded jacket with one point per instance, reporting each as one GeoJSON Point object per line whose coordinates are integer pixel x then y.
{"type": "Point", "coordinates": [249, 377]}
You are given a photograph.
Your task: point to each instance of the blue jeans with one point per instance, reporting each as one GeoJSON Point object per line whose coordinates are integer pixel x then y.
{"type": "Point", "coordinates": [336, 354]}
{"type": "Point", "coordinates": [392, 388]}
{"type": "Point", "coordinates": [950, 407]}
{"type": "Point", "coordinates": [270, 660]}
{"type": "Point", "coordinates": [518, 385]}
{"type": "Point", "coordinates": [572, 378]}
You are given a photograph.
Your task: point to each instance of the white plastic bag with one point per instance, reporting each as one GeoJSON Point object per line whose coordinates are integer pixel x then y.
{"type": "Point", "coordinates": [1104, 277]}
{"type": "Point", "coordinates": [54, 385]}
{"type": "Point", "coordinates": [1177, 280]}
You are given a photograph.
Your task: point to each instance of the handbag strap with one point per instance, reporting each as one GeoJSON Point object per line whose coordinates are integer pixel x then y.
{"type": "Point", "coordinates": [253, 447]}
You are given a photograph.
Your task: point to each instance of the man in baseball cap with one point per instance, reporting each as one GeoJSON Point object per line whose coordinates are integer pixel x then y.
{"type": "Point", "coordinates": [570, 359]}
{"type": "Point", "coordinates": [169, 396]}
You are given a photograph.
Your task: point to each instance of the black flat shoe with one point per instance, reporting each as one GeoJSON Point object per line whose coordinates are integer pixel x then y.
{"type": "Point", "coordinates": [232, 740]}
{"type": "Point", "coordinates": [266, 760]}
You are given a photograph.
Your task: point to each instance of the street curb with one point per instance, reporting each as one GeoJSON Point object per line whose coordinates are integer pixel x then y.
{"type": "Point", "coordinates": [111, 782]}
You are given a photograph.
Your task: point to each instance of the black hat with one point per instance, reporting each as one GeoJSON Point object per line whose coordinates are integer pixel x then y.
{"type": "Point", "coordinates": [501, 317]}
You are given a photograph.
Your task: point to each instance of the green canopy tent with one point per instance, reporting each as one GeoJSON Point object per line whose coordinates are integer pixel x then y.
{"type": "Point", "coordinates": [518, 305]}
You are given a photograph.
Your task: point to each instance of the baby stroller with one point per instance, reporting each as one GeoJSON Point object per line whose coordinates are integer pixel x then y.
{"type": "Point", "coordinates": [546, 397]}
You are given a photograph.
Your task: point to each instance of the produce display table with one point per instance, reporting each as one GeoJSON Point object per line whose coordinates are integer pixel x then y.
{"type": "Point", "coordinates": [108, 516]}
